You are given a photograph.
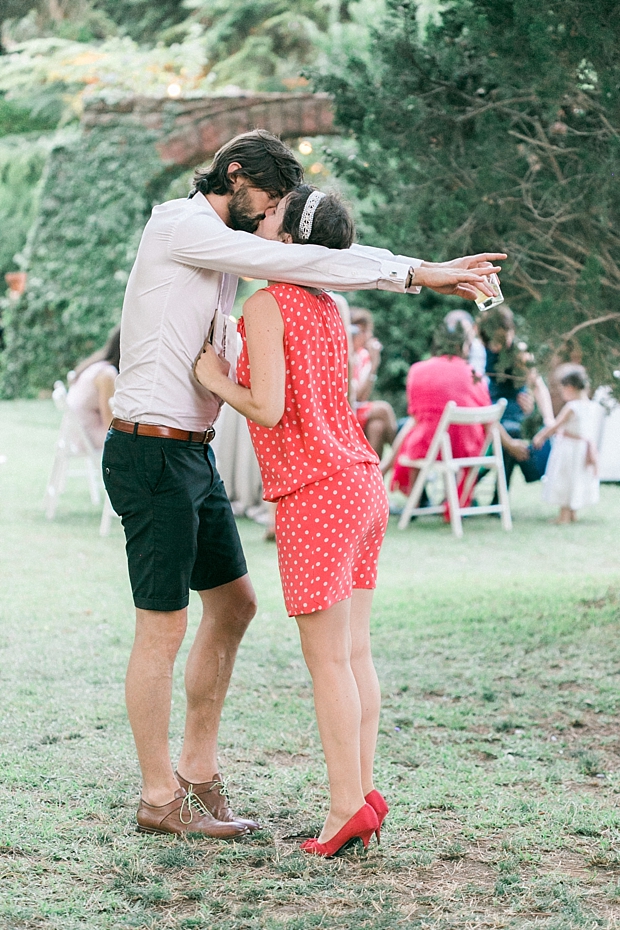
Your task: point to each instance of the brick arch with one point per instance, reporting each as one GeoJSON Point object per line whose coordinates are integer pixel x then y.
{"type": "Point", "coordinates": [190, 131]}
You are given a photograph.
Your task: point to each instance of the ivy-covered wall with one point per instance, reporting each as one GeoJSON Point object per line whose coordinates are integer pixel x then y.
{"type": "Point", "coordinates": [97, 193]}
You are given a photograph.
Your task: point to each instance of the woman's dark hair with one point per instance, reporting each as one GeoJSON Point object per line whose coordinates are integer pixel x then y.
{"type": "Point", "coordinates": [265, 161]}
{"type": "Point", "coordinates": [450, 340]}
{"type": "Point", "coordinates": [332, 225]}
{"type": "Point", "coordinates": [495, 322]}
{"type": "Point", "coordinates": [574, 379]}
{"type": "Point", "coordinates": [111, 352]}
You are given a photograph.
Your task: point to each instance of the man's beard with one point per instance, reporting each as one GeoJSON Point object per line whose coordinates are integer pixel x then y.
{"type": "Point", "coordinates": [240, 215]}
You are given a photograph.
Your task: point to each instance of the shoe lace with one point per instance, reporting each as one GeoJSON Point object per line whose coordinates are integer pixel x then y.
{"type": "Point", "coordinates": [191, 804]}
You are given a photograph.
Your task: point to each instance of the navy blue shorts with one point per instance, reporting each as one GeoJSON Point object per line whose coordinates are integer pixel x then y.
{"type": "Point", "coordinates": [179, 526]}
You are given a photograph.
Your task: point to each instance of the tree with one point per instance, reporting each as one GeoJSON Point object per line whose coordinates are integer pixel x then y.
{"type": "Point", "coordinates": [497, 128]}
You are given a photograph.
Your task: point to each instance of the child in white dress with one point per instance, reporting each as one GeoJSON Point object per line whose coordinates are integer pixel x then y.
{"type": "Point", "coordinates": [571, 479]}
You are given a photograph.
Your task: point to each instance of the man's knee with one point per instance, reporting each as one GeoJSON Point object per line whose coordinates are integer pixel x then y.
{"type": "Point", "coordinates": [161, 630]}
{"type": "Point", "coordinates": [234, 605]}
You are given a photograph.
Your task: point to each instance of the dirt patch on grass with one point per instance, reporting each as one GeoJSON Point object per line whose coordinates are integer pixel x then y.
{"type": "Point", "coordinates": [288, 759]}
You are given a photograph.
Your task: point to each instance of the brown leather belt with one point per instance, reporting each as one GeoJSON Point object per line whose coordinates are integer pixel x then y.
{"type": "Point", "coordinates": [163, 432]}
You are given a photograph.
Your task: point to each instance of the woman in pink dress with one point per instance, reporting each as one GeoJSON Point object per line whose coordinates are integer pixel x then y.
{"type": "Point", "coordinates": [332, 508]}
{"type": "Point", "coordinates": [430, 385]}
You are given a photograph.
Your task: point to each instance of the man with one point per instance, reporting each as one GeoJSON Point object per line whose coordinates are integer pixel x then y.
{"type": "Point", "coordinates": [160, 472]}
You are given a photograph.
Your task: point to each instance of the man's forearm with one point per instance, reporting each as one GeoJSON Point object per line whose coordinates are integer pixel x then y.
{"type": "Point", "coordinates": [239, 253]}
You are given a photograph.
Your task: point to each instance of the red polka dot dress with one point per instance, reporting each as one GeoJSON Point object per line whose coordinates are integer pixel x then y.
{"type": "Point", "coordinates": [316, 462]}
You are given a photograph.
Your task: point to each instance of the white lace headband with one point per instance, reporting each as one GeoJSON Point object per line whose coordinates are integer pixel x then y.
{"type": "Point", "coordinates": [305, 223]}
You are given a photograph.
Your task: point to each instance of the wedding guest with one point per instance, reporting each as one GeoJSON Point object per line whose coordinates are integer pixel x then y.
{"type": "Point", "coordinates": [571, 480]}
{"type": "Point", "coordinates": [332, 507]}
{"type": "Point", "coordinates": [512, 375]}
{"type": "Point", "coordinates": [445, 376]}
{"type": "Point", "coordinates": [92, 388]}
{"type": "Point", "coordinates": [376, 417]}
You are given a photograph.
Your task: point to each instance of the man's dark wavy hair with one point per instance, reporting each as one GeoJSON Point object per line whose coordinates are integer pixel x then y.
{"type": "Point", "coordinates": [265, 161]}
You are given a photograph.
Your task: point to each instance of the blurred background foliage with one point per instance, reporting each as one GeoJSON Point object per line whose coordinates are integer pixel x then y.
{"type": "Point", "coordinates": [480, 125]}
{"type": "Point", "coordinates": [499, 127]}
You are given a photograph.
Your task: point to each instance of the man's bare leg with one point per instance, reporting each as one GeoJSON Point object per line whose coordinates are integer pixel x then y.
{"type": "Point", "coordinates": [226, 614]}
{"type": "Point", "coordinates": [148, 692]}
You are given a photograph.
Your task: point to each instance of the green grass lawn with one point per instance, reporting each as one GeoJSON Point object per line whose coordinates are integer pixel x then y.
{"type": "Point", "coordinates": [499, 751]}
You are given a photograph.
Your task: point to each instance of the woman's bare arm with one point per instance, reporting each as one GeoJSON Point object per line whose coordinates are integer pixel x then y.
{"type": "Point", "coordinates": [264, 401]}
{"type": "Point", "coordinates": [104, 384]}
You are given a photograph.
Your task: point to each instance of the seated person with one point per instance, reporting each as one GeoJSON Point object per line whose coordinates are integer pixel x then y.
{"type": "Point", "coordinates": [376, 417]}
{"type": "Point", "coordinates": [511, 375]}
{"type": "Point", "coordinates": [430, 385]}
{"type": "Point", "coordinates": [477, 353]}
{"type": "Point", "coordinates": [92, 388]}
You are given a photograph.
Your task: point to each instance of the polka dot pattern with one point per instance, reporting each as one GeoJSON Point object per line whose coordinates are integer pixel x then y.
{"type": "Point", "coordinates": [328, 536]}
{"type": "Point", "coordinates": [316, 462]}
{"type": "Point", "coordinates": [318, 434]}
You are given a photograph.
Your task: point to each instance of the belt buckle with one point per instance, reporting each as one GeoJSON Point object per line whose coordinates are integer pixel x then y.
{"type": "Point", "coordinates": [209, 436]}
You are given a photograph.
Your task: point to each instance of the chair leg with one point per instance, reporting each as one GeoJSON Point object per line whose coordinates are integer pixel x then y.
{"type": "Point", "coordinates": [93, 474]}
{"type": "Point", "coordinates": [106, 516]}
{"type": "Point", "coordinates": [502, 485]}
{"type": "Point", "coordinates": [55, 484]}
{"type": "Point", "coordinates": [413, 499]}
{"type": "Point", "coordinates": [453, 501]}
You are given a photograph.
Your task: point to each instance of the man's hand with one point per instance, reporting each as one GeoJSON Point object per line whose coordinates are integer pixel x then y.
{"type": "Point", "coordinates": [461, 282]}
{"type": "Point", "coordinates": [469, 262]}
{"type": "Point", "coordinates": [526, 402]}
{"type": "Point", "coordinates": [519, 449]}
{"type": "Point", "coordinates": [209, 368]}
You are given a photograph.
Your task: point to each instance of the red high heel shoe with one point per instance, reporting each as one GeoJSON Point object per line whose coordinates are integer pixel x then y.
{"type": "Point", "coordinates": [360, 827]}
{"type": "Point", "coordinates": [379, 805]}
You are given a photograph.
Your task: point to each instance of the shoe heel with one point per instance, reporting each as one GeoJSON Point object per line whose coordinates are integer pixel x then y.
{"type": "Point", "coordinates": [378, 835]}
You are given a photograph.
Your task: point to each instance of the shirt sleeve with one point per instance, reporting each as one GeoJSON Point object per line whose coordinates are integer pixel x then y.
{"type": "Point", "coordinates": [202, 241]}
{"type": "Point", "coordinates": [367, 250]}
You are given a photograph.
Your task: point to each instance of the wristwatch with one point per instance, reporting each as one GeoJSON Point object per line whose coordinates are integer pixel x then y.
{"type": "Point", "coordinates": [410, 282]}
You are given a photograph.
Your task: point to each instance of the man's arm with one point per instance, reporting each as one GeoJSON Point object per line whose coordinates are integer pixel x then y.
{"type": "Point", "coordinates": [203, 241]}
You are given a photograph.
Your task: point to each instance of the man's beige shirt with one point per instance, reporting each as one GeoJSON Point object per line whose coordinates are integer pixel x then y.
{"type": "Point", "coordinates": [188, 263]}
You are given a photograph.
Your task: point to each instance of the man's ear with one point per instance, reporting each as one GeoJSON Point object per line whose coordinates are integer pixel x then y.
{"type": "Point", "coordinates": [233, 173]}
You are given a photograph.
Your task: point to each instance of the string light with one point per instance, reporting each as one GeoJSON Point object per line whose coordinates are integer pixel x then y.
{"type": "Point", "coordinates": [174, 89]}
{"type": "Point", "coordinates": [305, 147]}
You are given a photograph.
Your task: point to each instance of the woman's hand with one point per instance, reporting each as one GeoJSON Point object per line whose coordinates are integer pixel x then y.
{"type": "Point", "coordinates": [210, 369]}
{"type": "Point", "coordinates": [539, 439]}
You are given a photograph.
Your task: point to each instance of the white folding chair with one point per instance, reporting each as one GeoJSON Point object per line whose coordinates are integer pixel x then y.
{"type": "Point", "coordinates": [107, 515]}
{"type": "Point", "coordinates": [449, 467]}
{"type": "Point", "coordinates": [73, 445]}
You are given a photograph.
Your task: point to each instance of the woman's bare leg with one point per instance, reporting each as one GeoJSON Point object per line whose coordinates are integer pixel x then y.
{"type": "Point", "coordinates": [367, 683]}
{"type": "Point", "coordinates": [327, 645]}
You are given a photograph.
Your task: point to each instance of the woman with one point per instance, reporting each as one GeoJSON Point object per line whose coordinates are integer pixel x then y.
{"type": "Point", "coordinates": [430, 385]}
{"type": "Point", "coordinates": [92, 388]}
{"type": "Point", "coordinates": [511, 374]}
{"type": "Point", "coordinates": [332, 508]}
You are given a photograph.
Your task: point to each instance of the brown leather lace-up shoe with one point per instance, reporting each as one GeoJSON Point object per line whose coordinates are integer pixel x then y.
{"type": "Point", "coordinates": [213, 797]}
{"type": "Point", "coordinates": [185, 815]}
